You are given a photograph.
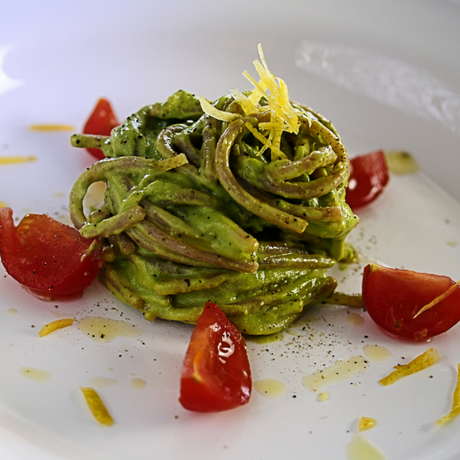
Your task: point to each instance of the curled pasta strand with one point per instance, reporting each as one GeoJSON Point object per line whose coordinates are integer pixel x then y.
{"type": "Point", "coordinates": [210, 138]}
{"type": "Point", "coordinates": [183, 142]}
{"type": "Point", "coordinates": [115, 224]}
{"type": "Point", "coordinates": [281, 171]}
{"type": "Point", "coordinates": [147, 231]}
{"type": "Point", "coordinates": [164, 141]}
{"type": "Point", "coordinates": [309, 213]}
{"type": "Point", "coordinates": [99, 172]}
{"type": "Point", "coordinates": [305, 190]}
{"type": "Point", "coordinates": [238, 193]}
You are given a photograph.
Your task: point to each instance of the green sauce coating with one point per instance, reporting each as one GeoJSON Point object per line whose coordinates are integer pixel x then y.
{"type": "Point", "coordinates": [193, 212]}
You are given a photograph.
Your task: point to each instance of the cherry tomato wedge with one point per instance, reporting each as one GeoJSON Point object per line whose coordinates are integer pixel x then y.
{"type": "Point", "coordinates": [50, 258]}
{"type": "Point", "coordinates": [215, 375]}
{"type": "Point", "coordinates": [394, 296]}
{"type": "Point", "coordinates": [101, 121]}
{"type": "Point", "coordinates": [368, 177]}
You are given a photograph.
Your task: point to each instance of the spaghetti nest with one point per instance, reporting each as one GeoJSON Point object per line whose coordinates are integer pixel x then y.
{"type": "Point", "coordinates": [201, 209]}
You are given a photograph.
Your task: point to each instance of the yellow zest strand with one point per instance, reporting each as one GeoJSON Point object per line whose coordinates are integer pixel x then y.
{"type": "Point", "coordinates": [271, 104]}
{"type": "Point", "coordinates": [283, 116]}
{"type": "Point", "coordinates": [247, 105]}
{"type": "Point", "coordinates": [216, 113]}
{"type": "Point", "coordinates": [16, 159]}
{"type": "Point", "coordinates": [366, 423]}
{"type": "Point", "coordinates": [54, 326]}
{"type": "Point", "coordinates": [51, 127]}
{"type": "Point", "coordinates": [267, 143]}
{"type": "Point", "coordinates": [258, 135]}
{"type": "Point", "coordinates": [426, 359]}
{"type": "Point", "coordinates": [438, 299]}
{"type": "Point", "coordinates": [276, 151]}
{"type": "Point", "coordinates": [279, 94]}
{"type": "Point", "coordinates": [96, 406]}
{"type": "Point", "coordinates": [455, 403]}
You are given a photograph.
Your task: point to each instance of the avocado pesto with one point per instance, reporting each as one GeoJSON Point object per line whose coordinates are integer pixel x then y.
{"type": "Point", "coordinates": [215, 202]}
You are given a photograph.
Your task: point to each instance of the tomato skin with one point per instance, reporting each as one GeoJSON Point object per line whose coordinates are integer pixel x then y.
{"type": "Point", "coordinates": [393, 296]}
{"type": "Point", "coordinates": [210, 381]}
{"type": "Point", "coordinates": [368, 177]}
{"type": "Point", "coordinates": [46, 256]}
{"type": "Point", "coordinates": [101, 121]}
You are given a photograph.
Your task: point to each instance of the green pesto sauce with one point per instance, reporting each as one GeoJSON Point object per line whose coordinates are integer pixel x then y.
{"type": "Point", "coordinates": [177, 237]}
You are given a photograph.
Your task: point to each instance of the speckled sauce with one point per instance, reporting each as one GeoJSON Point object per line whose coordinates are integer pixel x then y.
{"type": "Point", "coordinates": [270, 388]}
{"type": "Point", "coordinates": [102, 329]}
{"type": "Point", "coordinates": [338, 372]}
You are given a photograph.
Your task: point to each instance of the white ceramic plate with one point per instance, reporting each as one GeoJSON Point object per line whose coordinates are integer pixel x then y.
{"type": "Point", "coordinates": [385, 72]}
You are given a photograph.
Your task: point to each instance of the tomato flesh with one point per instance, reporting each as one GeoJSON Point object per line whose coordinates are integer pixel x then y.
{"type": "Point", "coordinates": [50, 258]}
{"type": "Point", "coordinates": [101, 122]}
{"type": "Point", "coordinates": [368, 177]}
{"type": "Point", "coordinates": [394, 296]}
{"type": "Point", "coordinates": [215, 375]}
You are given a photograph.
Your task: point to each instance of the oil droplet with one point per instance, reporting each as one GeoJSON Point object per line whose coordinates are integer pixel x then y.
{"type": "Point", "coordinates": [102, 382]}
{"type": "Point", "coordinates": [376, 352]}
{"type": "Point", "coordinates": [366, 423]}
{"type": "Point", "coordinates": [59, 194]}
{"type": "Point", "coordinates": [105, 329]}
{"type": "Point", "coordinates": [453, 243]}
{"type": "Point", "coordinates": [355, 319]}
{"type": "Point", "coordinates": [360, 448]}
{"type": "Point", "coordinates": [324, 396]}
{"type": "Point", "coordinates": [401, 162]}
{"type": "Point", "coordinates": [12, 311]}
{"type": "Point", "coordinates": [138, 383]}
{"type": "Point", "coordinates": [270, 388]}
{"type": "Point", "coordinates": [341, 370]}
{"type": "Point", "coordinates": [263, 339]}
{"type": "Point", "coordinates": [37, 375]}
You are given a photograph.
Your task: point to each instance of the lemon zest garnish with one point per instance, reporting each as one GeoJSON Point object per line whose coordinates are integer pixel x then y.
{"type": "Point", "coordinates": [96, 406]}
{"type": "Point", "coordinates": [16, 159]}
{"type": "Point", "coordinates": [455, 403]}
{"type": "Point", "coordinates": [283, 116]}
{"type": "Point", "coordinates": [274, 107]}
{"type": "Point", "coordinates": [277, 153]}
{"type": "Point", "coordinates": [267, 143]}
{"type": "Point", "coordinates": [215, 112]}
{"type": "Point", "coordinates": [426, 359]}
{"type": "Point", "coordinates": [438, 299]}
{"type": "Point", "coordinates": [54, 326]}
{"type": "Point", "coordinates": [257, 134]}
{"type": "Point", "coordinates": [51, 127]}
{"type": "Point", "coordinates": [246, 104]}
{"type": "Point", "coordinates": [366, 423]}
